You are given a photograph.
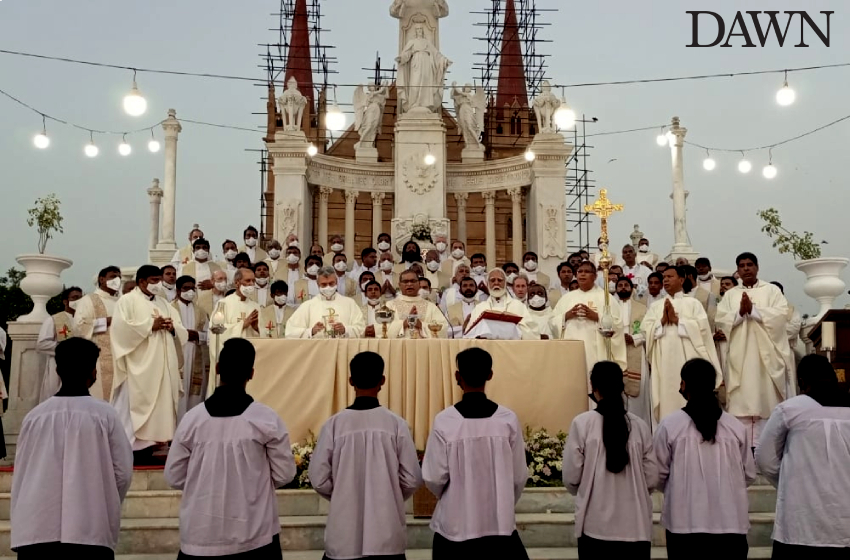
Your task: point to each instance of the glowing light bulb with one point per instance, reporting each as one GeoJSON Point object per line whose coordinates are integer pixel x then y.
{"type": "Point", "coordinates": [430, 159]}
{"type": "Point", "coordinates": [91, 150]}
{"type": "Point", "coordinates": [153, 146]}
{"type": "Point", "coordinates": [124, 149]}
{"type": "Point", "coordinates": [529, 155]}
{"type": "Point", "coordinates": [708, 164]}
{"type": "Point", "coordinates": [134, 104]}
{"type": "Point", "coordinates": [312, 150]}
{"type": "Point", "coordinates": [744, 166]}
{"type": "Point", "coordinates": [564, 116]}
{"type": "Point", "coordinates": [41, 140]}
{"type": "Point", "coordinates": [662, 140]}
{"type": "Point", "coordinates": [335, 119]}
{"type": "Point", "coordinates": [786, 95]}
{"type": "Point", "coordinates": [769, 171]}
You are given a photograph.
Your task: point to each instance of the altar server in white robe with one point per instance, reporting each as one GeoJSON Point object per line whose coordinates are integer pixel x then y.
{"type": "Point", "coordinates": [475, 515]}
{"type": "Point", "coordinates": [500, 300]}
{"type": "Point", "coordinates": [753, 316]}
{"type": "Point", "coordinates": [308, 321]}
{"type": "Point", "coordinates": [147, 372]}
{"type": "Point", "coordinates": [577, 317]}
{"type": "Point", "coordinates": [93, 321]}
{"type": "Point", "coordinates": [676, 330]}
{"type": "Point", "coordinates": [251, 248]}
{"type": "Point", "coordinates": [73, 467]}
{"type": "Point", "coordinates": [228, 456]}
{"type": "Point", "coordinates": [654, 289]}
{"type": "Point", "coordinates": [54, 330]}
{"type": "Point", "coordinates": [704, 468]}
{"type": "Point", "coordinates": [804, 453]}
{"type": "Point", "coordinates": [410, 303]}
{"type": "Point", "coordinates": [365, 464]}
{"type": "Point", "coordinates": [633, 313]}
{"type": "Point", "coordinates": [539, 312]}
{"type": "Point", "coordinates": [196, 356]}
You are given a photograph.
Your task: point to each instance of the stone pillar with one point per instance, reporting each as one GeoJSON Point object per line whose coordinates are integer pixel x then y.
{"type": "Point", "coordinates": [490, 226]}
{"type": "Point", "coordinates": [171, 127]}
{"type": "Point", "coordinates": [546, 203]}
{"type": "Point", "coordinates": [377, 216]}
{"type": "Point", "coordinates": [324, 194]}
{"type": "Point", "coordinates": [681, 243]}
{"type": "Point", "coordinates": [460, 199]}
{"type": "Point", "coordinates": [155, 194]}
{"type": "Point", "coordinates": [293, 206]}
{"type": "Point", "coordinates": [350, 200]}
{"type": "Point", "coordinates": [25, 377]}
{"type": "Point", "coordinates": [516, 218]}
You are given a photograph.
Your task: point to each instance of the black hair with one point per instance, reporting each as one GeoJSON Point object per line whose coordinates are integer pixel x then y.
{"type": "Point", "coordinates": [818, 380]}
{"type": "Point", "coordinates": [279, 286]}
{"type": "Point", "coordinates": [746, 255]}
{"type": "Point", "coordinates": [626, 279]}
{"type": "Point", "coordinates": [183, 280]}
{"type": "Point", "coordinates": [507, 264]}
{"type": "Point", "coordinates": [147, 271]}
{"type": "Point", "coordinates": [225, 242]}
{"type": "Point", "coordinates": [732, 278]}
{"type": "Point", "coordinates": [689, 270]}
{"type": "Point", "coordinates": [474, 366]}
{"type": "Point", "coordinates": [380, 235]}
{"type": "Point", "coordinates": [703, 260]}
{"type": "Point", "coordinates": [703, 407]}
{"type": "Point", "coordinates": [76, 359]}
{"type": "Point", "coordinates": [586, 263]}
{"type": "Point", "coordinates": [408, 271]}
{"type": "Point", "coordinates": [565, 265]}
{"type": "Point", "coordinates": [230, 291]}
{"type": "Point", "coordinates": [242, 257]}
{"type": "Point", "coordinates": [469, 278]}
{"type": "Point", "coordinates": [312, 258]}
{"type": "Point", "coordinates": [261, 263]}
{"type": "Point", "coordinates": [66, 293]}
{"type": "Point", "coordinates": [778, 285]}
{"type": "Point", "coordinates": [250, 228]}
{"type": "Point", "coordinates": [364, 273]}
{"type": "Point", "coordinates": [236, 361]}
{"type": "Point", "coordinates": [171, 266]}
{"type": "Point", "coordinates": [107, 270]}
{"type": "Point", "coordinates": [607, 378]}
{"type": "Point", "coordinates": [200, 241]}
{"type": "Point", "coordinates": [574, 255]}
{"type": "Point", "coordinates": [367, 369]}
{"type": "Point", "coordinates": [529, 254]}
{"type": "Point", "coordinates": [367, 251]}
{"type": "Point", "coordinates": [478, 256]}
{"type": "Point", "coordinates": [418, 255]}
{"type": "Point", "coordinates": [423, 279]}
{"type": "Point", "coordinates": [369, 283]}
{"type": "Point", "coordinates": [657, 275]}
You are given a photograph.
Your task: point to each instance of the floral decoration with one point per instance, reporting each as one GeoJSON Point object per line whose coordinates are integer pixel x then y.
{"type": "Point", "coordinates": [421, 230]}
{"type": "Point", "coordinates": [302, 452]}
{"type": "Point", "coordinates": [544, 453]}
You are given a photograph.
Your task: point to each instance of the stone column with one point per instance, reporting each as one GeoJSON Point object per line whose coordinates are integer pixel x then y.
{"type": "Point", "coordinates": [293, 204]}
{"type": "Point", "coordinates": [25, 376]}
{"type": "Point", "coordinates": [460, 200]}
{"type": "Point", "coordinates": [490, 226]}
{"type": "Point", "coordinates": [516, 218]}
{"type": "Point", "coordinates": [546, 202]}
{"type": "Point", "coordinates": [324, 193]}
{"type": "Point", "coordinates": [681, 243]}
{"type": "Point", "coordinates": [155, 194]}
{"type": "Point", "coordinates": [350, 199]}
{"type": "Point", "coordinates": [171, 127]}
{"type": "Point", "coordinates": [377, 216]}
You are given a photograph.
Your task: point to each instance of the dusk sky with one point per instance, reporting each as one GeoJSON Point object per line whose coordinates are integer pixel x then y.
{"type": "Point", "coordinates": [106, 207]}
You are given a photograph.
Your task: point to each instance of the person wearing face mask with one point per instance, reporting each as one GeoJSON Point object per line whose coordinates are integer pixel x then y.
{"type": "Point", "coordinates": [632, 269]}
{"type": "Point", "coordinates": [262, 295]}
{"type": "Point", "coordinates": [410, 302]}
{"type": "Point", "coordinates": [425, 290]}
{"type": "Point", "coordinates": [346, 286]}
{"type": "Point", "coordinates": [386, 277]}
{"type": "Point", "coordinates": [337, 246]}
{"type": "Point", "coordinates": [384, 242]}
{"type": "Point", "coordinates": [511, 272]}
{"type": "Point", "coordinates": [539, 313]}
{"type": "Point", "coordinates": [410, 253]}
{"type": "Point", "coordinates": [54, 330]}
{"type": "Point", "coordinates": [292, 273]}
{"type": "Point", "coordinates": [530, 269]}
{"type": "Point", "coordinates": [705, 277]}
{"type": "Point", "coordinates": [307, 287]}
{"type": "Point", "coordinates": [277, 269]}
{"type": "Point", "coordinates": [371, 302]}
{"type": "Point", "coordinates": [566, 273]}
{"type": "Point", "coordinates": [637, 370]}
{"type": "Point", "coordinates": [615, 258]}
{"type": "Point", "coordinates": [195, 351]}
{"type": "Point", "coordinates": [208, 299]}
{"type": "Point", "coordinates": [183, 256]}
{"type": "Point", "coordinates": [274, 317]}
{"type": "Point", "coordinates": [456, 257]}
{"type": "Point", "coordinates": [229, 251]}
{"type": "Point", "coordinates": [459, 312]}
{"type": "Point", "coordinates": [241, 314]}
{"type": "Point", "coordinates": [308, 321]}
{"type": "Point", "coordinates": [499, 300]}
{"type": "Point", "coordinates": [200, 267]}
{"type": "Point", "coordinates": [292, 241]}
{"type": "Point", "coordinates": [441, 243]}
{"type": "Point", "coordinates": [251, 247]}
{"type": "Point", "coordinates": [362, 281]}
{"type": "Point", "coordinates": [146, 334]}
{"type": "Point", "coordinates": [368, 263]}
{"type": "Point", "coordinates": [479, 271]}
{"type": "Point", "coordinates": [169, 282]}
{"type": "Point", "coordinates": [645, 254]}
{"type": "Point", "coordinates": [93, 320]}
{"type": "Point", "coordinates": [438, 279]}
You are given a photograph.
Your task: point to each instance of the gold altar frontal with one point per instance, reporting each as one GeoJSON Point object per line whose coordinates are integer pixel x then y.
{"type": "Point", "coordinates": [306, 381]}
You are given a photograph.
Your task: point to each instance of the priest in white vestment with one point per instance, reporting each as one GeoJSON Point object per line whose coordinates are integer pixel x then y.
{"type": "Point", "coordinates": [147, 372]}
{"type": "Point", "coordinates": [530, 268]}
{"type": "Point", "coordinates": [290, 271]}
{"type": "Point", "coordinates": [632, 314]}
{"type": "Point", "coordinates": [229, 252]}
{"type": "Point", "coordinates": [754, 316]}
{"type": "Point", "coordinates": [273, 318]}
{"type": "Point", "coordinates": [539, 313]}
{"type": "Point", "coordinates": [274, 260]}
{"type": "Point", "coordinates": [459, 312]}
{"type": "Point", "coordinates": [196, 356]}
{"type": "Point", "coordinates": [313, 318]}
{"type": "Point", "coordinates": [183, 255]}
{"type": "Point", "coordinates": [635, 271]}
{"type": "Point", "coordinates": [208, 299]}
{"type": "Point", "coordinates": [93, 320]}
{"type": "Point", "coordinates": [676, 330]}
{"type": "Point", "coordinates": [307, 287]}
{"type": "Point", "coordinates": [566, 273]}
{"type": "Point", "coordinates": [54, 330]}
{"type": "Point", "coordinates": [201, 267]}
{"type": "Point", "coordinates": [238, 313]}
{"type": "Point", "coordinates": [410, 303]}
{"type": "Point", "coordinates": [500, 300]}
{"type": "Point", "coordinates": [263, 283]}
{"type": "Point", "coordinates": [251, 247]}
{"type": "Point", "coordinates": [645, 255]}
{"type": "Point", "coordinates": [169, 282]}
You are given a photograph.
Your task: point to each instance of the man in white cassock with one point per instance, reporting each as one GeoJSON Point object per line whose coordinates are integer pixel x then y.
{"type": "Point", "coordinates": [500, 300]}
{"type": "Point", "coordinates": [313, 318]}
{"type": "Point", "coordinates": [753, 316]}
{"type": "Point", "coordinates": [196, 356]}
{"type": "Point", "coordinates": [632, 314]}
{"type": "Point", "coordinates": [676, 330]}
{"type": "Point", "coordinates": [147, 371]}
{"type": "Point", "coordinates": [255, 253]}
{"type": "Point", "coordinates": [201, 268]}
{"type": "Point", "coordinates": [458, 312]}
{"type": "Point", "coordinates": [577, 317]}
{"type": "Point", "coordinates": [54, 330]}
{"type": "Point", "coordinates": [93, 320]}
{"type": "Point", "coordinates": [365, 461]}
{"type": "Point", "coordinates": [410, 304]}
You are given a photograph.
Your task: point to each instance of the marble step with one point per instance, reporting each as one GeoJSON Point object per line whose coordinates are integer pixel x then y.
{"type": "Point", "coordinates": [306, 533]}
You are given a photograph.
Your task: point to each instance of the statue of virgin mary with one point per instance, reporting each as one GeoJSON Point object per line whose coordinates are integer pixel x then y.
{"type": "Point", "coordinates": [422, 71]}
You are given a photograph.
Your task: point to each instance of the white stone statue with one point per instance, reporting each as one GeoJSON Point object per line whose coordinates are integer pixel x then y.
{"type": "Point", "coordinates": [291, 105]}
{"type": "Point", "coordinates": [545, 105]}
{"type": "Point", "coordinates": [421, 73]}
{"type": "Point", "coordinates": [369, 105]}
{"type": "Point", "coordinates": [438, 7]}
{"type": "Point", "coordinates": [469, 111]}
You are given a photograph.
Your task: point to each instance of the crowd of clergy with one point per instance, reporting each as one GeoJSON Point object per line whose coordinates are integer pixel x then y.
{"type": "Point", "coordinates": [159, 351]}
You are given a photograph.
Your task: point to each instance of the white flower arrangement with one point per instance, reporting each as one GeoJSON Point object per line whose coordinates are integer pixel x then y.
{"type": "Point", "coordinates": [544, 454]}
{"type": "Point", "coordinates": [303, 452]}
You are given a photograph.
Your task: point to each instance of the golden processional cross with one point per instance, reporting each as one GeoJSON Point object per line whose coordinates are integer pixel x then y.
{"type": "Point", "coordinates": [604, 208]}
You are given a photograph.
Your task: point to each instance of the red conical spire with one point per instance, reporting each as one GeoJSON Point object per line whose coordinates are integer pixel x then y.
{"type": "Point", "coordinates": [511, 69]}
{"type": "Point", "coordinates": [298, 62]}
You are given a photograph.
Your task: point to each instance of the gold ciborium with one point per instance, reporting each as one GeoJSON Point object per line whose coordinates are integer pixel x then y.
{"type": "Point", "coordinates": [435, 328]}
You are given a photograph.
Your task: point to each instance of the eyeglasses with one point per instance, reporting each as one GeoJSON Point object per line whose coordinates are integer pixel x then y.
{"type": "Point", "coordinates": [408, 281]}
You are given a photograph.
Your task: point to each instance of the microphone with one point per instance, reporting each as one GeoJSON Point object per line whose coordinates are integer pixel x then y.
{"type": "Point", "coordinates": [451, 328]}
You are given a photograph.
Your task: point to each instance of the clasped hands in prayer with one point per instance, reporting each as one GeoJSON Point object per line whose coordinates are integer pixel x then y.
{"type": "Point", "coordinates": [251, 320]}
{"type": "Point", "coordinates": [338, 328]}
{"type": "Point", "coordinates": [580, 310]}
{"type": "Point", "coordinates": [746, 305]}
{"type": "Point", "coordinates": [162, 324]}
{"type": "Point", "coordinates": [669, 317]}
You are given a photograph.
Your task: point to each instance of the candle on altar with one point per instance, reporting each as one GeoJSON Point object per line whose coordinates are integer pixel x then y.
{"type": "Point", "coordinates": [827, 340]}
{"type": "Point", "coordinates": [218, 318]}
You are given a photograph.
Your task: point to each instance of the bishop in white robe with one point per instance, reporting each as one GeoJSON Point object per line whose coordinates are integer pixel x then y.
{"type": "Point", "coordinates": [311, 318]}
{"type": "Point", "coordinates": [427, 313]}
{"type": "Point", "coordinates": [499, 300]}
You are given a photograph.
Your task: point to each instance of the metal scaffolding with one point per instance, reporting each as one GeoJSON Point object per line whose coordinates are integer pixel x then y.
{"type": "Point", "coordinates": [579, 187]}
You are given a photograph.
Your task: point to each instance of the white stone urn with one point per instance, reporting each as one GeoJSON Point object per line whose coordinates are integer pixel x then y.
{"type": "Point", "coordinates": [823, 281]}
{"type": "Point", "coordinates": [41, 283]}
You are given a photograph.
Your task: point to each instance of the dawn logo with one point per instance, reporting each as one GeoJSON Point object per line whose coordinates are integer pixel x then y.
{"type": "Point", "coordinates": [761, 26]}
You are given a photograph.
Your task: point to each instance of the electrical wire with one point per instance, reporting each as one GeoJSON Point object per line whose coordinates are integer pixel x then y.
{"type": "Point", "coordinates": [775, 144]}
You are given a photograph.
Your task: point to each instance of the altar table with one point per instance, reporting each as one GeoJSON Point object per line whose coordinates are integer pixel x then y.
{"type": "Point", "coordinates": [306, 381]}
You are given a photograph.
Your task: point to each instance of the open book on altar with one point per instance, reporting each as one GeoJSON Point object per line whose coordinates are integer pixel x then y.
{"type": "Point", "coordinates": [495, 325]}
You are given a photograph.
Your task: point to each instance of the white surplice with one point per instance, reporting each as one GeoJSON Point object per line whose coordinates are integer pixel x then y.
{"type": "Point", "coordinates": [346, 311]}
{"type": "Point", "coordinates": [191, 350]}
{"type": "Point", "coordinates": [49, 337]}
{"type": "Point", "coordinates": [235, 311]}
{"type": "Point", "coordinates": [540, 322]}
{"type": "Point", "coordinates": [427, 312]}
{"type": "Point", "coordinates": [641, 406]}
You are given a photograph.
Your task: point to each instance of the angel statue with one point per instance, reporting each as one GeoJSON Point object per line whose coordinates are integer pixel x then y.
{"type": "Point", "coordinates": [545, 105]}
{"type": "Point", "coordinates": [469, 109]}
{"type": "Point", "coordinates": [421, 72]}
{"type": "Point", "coordinates": [292, 105]}
{"type": "Point", "coordinates": [368, 112]}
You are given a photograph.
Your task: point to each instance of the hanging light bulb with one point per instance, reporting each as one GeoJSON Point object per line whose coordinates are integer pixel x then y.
{"type": "Point", "coordinates": [41, 140]}
{"type": "Point", "coordinates": [530, 155]}
{"type": "Point", "coordinates": [334, 118]}
{"type": "Point", "coordinates": [662, 139]}
{"type": "Point", "coordinates": [564, 116]}
{"type": "Point", "coordinates": [769, 171]}
{"type": "Point", "coordinates": [744, 166]}
{"type": "Point", "coordinates": [785, 96]}
{"type": "Point", "coordinates": [430, 159]}
{"type": "Point", "coordinates": [90, 149]}
{"type": "Point", "coordinates": [134, 104]}
{"type": "Point", "coordinates": [708, 163]}
{"type": "Point", "coordinates": [153, 145]}
{"type": "Point", "coordinates": [312, 150]}
{"type": "Point", "coordinates": [124, 148]}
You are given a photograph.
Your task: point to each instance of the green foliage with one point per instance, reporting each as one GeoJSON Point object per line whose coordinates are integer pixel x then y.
{"type": "Point", "coordinates": [45, 216]}
{"type": "Point", "coordinates": [801, 247]}
{"type": "Point", "coordinates": [13, 301]}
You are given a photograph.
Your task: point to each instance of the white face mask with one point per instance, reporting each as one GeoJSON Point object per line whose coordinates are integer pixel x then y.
{"type": "Point", "coordinates": [612, 287]}
{"type": "Point", "coordinates": [248, 291]}
{"type": "Point", "coordinates": [511, 277]}
{"type": "Point", "coordinates": [705, 277]}
{"type": "Point", "coordinates": [340, 266]}
{"type": "Point", "coordinates": [280, 300]}
{"type": "Point", "coordinates": [274, 254]}
{"type": "Point", "coordinates": [643, 248]}
{"type": "Point", "coordinates": [292, 258]}
{"type": "Point", "coordinates": [457, 253]}
{"type": "Point", "coordinates": [440, 246]}
{"type": "Point", "coordinates": [373, 302]}
{"type": "Point", "coordinates": [363, 287]}
{"type": "Point", "coordinates": [424, 294]}
{"type": "Point", "coordinates": [167, 285]}
{"type": "Point", "coordinates": [230, 254]}
{"type": "Point", "coordinates": [537, 302]}
{"type": "Point", "coordinates": [479, 270]}
{"type": "Point", "coordinates": [114, 284]}
{"type": "Point", "coordinates": [312, 269]}
{"type": "Point", "coordinates": [73, 304]}
{"type": "Point", "coordinates": [328, 291]}
{"type": "Point", "coordinates": [261, 282]}
{"type": "Point", "coordinates": [188, 296]}
{"type": "Point", "coordinates": [386, 266]}
{"type": "Point", "coordinates": [156, 289]}
{"type": "Point", "coordinates": [337, 247]}
{"type": "Point", "coordinates": [201, 255]}
{"type": "Point", "coordinates": [294, 244]}
{"type": "Point", "coordinates": [250, 241]}
{"type": "Point", "coordinates": [383, 246]}
{"type": "Point", "coordinates": [433, 266]}
{"type": "Point", "coordinates": [497, 292]}
{"type": "Point", "coordinates": [221, 286]}
{"type": "Point", "coordinates": [530, 265]}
